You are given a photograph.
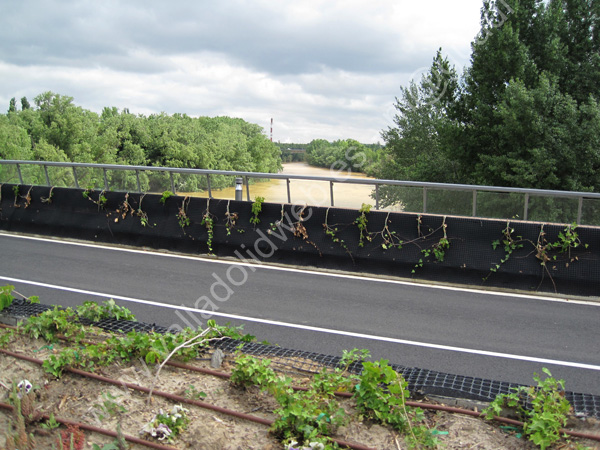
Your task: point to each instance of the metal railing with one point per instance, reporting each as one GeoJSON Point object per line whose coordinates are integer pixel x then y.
{"type": "Point", "coordinates": [427, 188]}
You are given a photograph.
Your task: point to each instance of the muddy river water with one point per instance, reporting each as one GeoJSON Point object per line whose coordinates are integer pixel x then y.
{"type": "Point", "coordinates": [315, 193]}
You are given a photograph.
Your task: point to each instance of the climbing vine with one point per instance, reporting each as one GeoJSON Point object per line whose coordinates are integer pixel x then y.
{"type": "Point", "coordinates": [125, 208]}
{"type": "Point", "coordinates": [231, 220]}
{"type": "Point", "coordinates": [182, 217]}
{"type": "Point", "coordinates": [101, 201]}
{"type": "Point", "coordinates": [548, 253]}
{"type": "Point", "coordinates": [256, 210]}
{"type": "Point", "coordinates": [49, 198]}
{"type": "Point", "coordinates": [209, 223]}
{"type": "Point", "coordinates": [165, 196]}
{"type": "Point", "coordinates": [509, 244]}
{"type": "Point", "coordinates": [438, 249]}
{"type": "Point", "coordinates": [277, 223]}
{"type": "Point", "coordinates": [568, 240]}
{"type": "Point", "coordinates": [332, 230]}
{"type": "Point", "coordinates": [299, 230]}
{"type": "Point", "coordinates": [362, 222]}
{"type": "Point", "coordinates": [388, 237]}
{"type": "Point", "coordinates": [142, 214]}
{"type": "Point", "coordinates": [26, 197]}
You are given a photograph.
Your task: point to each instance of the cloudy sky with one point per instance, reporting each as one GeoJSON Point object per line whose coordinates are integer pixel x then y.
{"type": "Point", "coordinates": [320, 68]}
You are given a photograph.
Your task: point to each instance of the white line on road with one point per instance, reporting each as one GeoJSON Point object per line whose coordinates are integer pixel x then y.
{"type": "Point", "coordinates": [303, 271]}
{"type": "Point", "coordinates": [311, 328]}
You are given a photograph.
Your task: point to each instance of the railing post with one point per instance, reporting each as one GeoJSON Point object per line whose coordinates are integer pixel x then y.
{"type": "Point", "coordinates": [75, 177]}
{"type": "Point", "coordinates": [526, 207]}
{"type": "Point", "coordinates": [424, 199]}
{"type": "Point", "coordinates": [579, 210]}
{"type": "Point", "coordinates": [137, 179]}
{"type": "Point", "coordinates": [47, 176]}
{"type": "Point", "coordinates": [474, 203]}
{"type": "Point", "coordinates": [208, 185]}
{"type": "Point", "coordinates": [20, 175]}
{"type": "Point", "coordinates": [287, 180]}
{"type": "Point", "coordinates": [105, 180]}
{"type": "Point", "coordinates": [172, 182]}
{"type": "Point", "coordinates": [376, 196]}
{"type": "Point", "coordinates": [238, 189]}
{"type": "Point", "coordinates": [247, 188]}
{"type": "Point", "coordinates": [331, 192]}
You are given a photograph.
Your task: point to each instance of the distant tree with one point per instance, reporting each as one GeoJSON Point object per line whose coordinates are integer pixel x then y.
{"type": "Point", "coordinates": [25, 103]}
{"type": "Point", "coordinates": [58, 130]}
{"type": "Point", "coordinates": [14, 140]}
{"type": "Point", "coordinates": [12, 106]}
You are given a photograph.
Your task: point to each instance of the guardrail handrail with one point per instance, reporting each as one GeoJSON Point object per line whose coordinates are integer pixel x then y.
{"type": "Point", "coordinates": [332, 179]}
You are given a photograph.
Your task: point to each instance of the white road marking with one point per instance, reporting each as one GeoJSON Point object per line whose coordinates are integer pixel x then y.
{"type": "Point", "coordinates": [311, 328]}
{"type": "Point", "coordinates": [265, 266]}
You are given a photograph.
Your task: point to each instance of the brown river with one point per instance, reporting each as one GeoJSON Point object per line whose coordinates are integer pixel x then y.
{"type": "Point", "coordinates": [314, 193]}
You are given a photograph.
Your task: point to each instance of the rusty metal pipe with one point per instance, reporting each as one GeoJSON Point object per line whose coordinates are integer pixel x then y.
{"type": "Point", "coordinates": [176, 398]}
{"type": "Point", "coordinates": [94, 429]}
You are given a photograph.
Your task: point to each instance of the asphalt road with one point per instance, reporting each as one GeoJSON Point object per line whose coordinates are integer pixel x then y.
{"type": "Point", "coordinates": [500, 336]}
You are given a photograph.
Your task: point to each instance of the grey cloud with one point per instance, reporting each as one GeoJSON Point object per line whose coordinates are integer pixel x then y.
{"type": "Point", "coordinates": [264, 39]}
{"type": "Point", "coordinates": [331, 72]}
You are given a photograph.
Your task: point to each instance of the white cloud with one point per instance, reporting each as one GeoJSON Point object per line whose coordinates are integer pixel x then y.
{"type": "Point", "coordinates": [321, 69]}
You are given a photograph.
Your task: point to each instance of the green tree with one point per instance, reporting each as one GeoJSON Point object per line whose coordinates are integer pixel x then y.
{"type": "Point", "coordinates": [499, 55]}
{"type": "Point", "coordinates": [14, 140]}
{"type": "Point", "coordinates": [418, 146]}
{"type": "Point", "coordinates": [537, 130]}
{"type": "Point", "coordinates": [577, 26]}
{"type": "Point", "coordinates": [342, 156]}
{"type": "Point", "coordinates": [58, 130]}
{"type": "Point", "coordinates": [529, 97]}
{"type": "Point", "coordinates": [12, 106]}
{"type": "Point", "coordinates": [70, 128]}
{"type": "Point", "coordinates": [525, 113]}
{"type": "Point", "coordinates": [25, 103]}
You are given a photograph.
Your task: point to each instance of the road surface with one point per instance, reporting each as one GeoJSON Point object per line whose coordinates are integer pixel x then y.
{"type": "Point", "coordinates": [494, 335]}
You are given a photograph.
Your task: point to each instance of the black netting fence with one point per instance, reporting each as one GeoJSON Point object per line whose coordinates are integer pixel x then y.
{"type": "Point", "coordinates": [397, 244]}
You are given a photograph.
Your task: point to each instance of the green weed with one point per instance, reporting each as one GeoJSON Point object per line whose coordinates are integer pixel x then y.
{"type": "Point", "coordinates": [256, 210]}
{"type": "Point", "coordinates": [6, 297]}
{"type": "Point", "coordinates": [107, 310]}
{"type": "Point", "coordinates": [381, 396]}
{"type": "Point", "coordinates": [165, 196]}
{"type": "Point", "coordinates": [362, 222]}
{"type": "Point", "coordinates": [548, 412]}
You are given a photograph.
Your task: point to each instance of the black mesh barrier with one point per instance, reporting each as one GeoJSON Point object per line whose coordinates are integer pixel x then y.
{"type": "Point", "coordinates": [420, 381]}
{"type": "Point", "coordinates": [125, 326]}
{"type": "Point", "coordinates": [397, 244]}
{"type": "Point", "coordinates": [23, 308]}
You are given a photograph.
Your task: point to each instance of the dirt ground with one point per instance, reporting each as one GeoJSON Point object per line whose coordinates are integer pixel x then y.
{"type": "Point", "coordinates": [77, 398]}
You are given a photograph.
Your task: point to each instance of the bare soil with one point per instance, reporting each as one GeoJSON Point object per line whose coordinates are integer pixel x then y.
{"type": "Point", "coordinates": [77, 398]}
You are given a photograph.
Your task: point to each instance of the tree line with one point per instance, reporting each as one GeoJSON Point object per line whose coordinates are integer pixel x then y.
{"type": "Point", "coordinates": [55, 129]}
{"type": "Point", "coordinates": [524, 113]}
{"type": "Point", "coordinates": [343, 154]}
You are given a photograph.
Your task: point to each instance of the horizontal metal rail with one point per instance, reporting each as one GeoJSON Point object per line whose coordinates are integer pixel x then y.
{"type": "Point", "coordinates": [376, 183]}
